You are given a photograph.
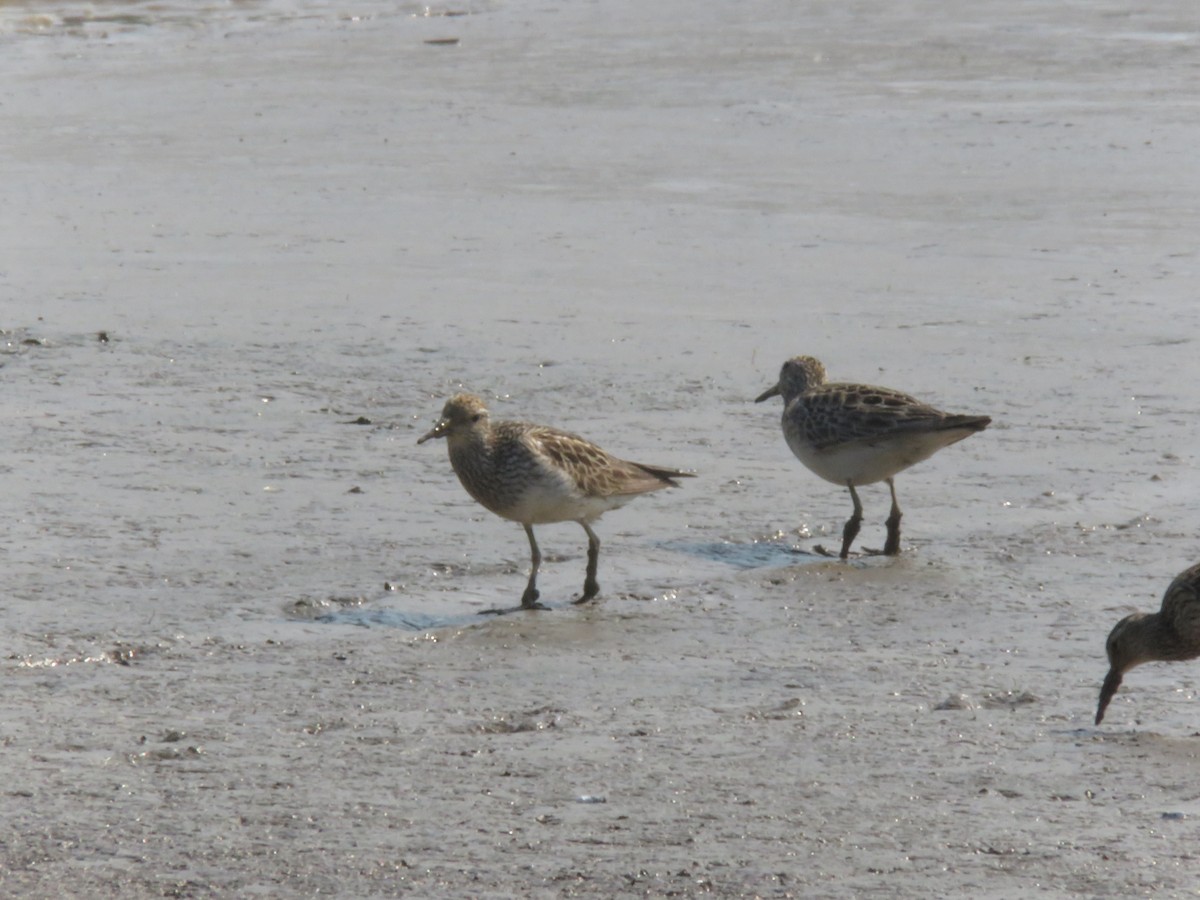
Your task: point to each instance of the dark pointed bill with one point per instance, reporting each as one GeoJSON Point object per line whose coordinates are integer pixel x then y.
{"type": "Point", "coordinates": [1111, 683]}
{"type": "Point", "coordinates": [767, 394]}
{"type": "Point", "coordinates": [436, 431]}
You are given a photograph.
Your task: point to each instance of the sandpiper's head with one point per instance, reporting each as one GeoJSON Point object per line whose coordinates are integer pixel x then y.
{"type": "Point", "coordinates": [1126, 649]}
{"type": "Point", "coordinates": [799, 374]}
{"type": "Point", "coordinates": [461, 413]}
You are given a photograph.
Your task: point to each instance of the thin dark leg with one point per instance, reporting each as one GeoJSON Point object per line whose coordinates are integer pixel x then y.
{"type": "Point", "coordinates": [591, 587]}
{"type": "Point", "coordinates": [530, 597]}
{"type": "Point", "coordinates": [892, 547]}
{"type": "Point", "coordinates": [850, 532]}
{"type": "Point", "coordinates": [529, 600]}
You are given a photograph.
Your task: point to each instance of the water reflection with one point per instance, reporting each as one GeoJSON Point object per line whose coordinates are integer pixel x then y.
{"type": "Point", "coordinates": [102, 18]}
{"type": "Point", "coordinates": [752, 555]}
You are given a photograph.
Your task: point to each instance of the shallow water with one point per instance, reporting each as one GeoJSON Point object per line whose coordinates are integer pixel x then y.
{"type": "Point", "coordinates": [149, 19]}
{"type": "Point", "coordinates": [241, 604]}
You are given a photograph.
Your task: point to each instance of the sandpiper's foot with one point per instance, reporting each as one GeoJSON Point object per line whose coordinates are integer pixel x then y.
{"type": "Point", "coordinates": [512, 609]}
{"type": "Point", "coordinates": [529, 600]}
{"type": "Point", "coordinates": [888, 550]}
{"type": "Point", "coordinates": [822, 550]}
{"type": "Point", "coordinates": [590, 590]}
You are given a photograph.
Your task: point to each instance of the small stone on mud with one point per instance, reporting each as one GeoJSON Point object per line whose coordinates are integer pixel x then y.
{"type": "Point", "coordinates": [956, 702]}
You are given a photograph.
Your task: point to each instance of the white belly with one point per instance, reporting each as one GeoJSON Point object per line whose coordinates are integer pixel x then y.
{"type": "Point", "coordinates": [865, 462]}
{"type": "Point", "coordinates": [543, 504]}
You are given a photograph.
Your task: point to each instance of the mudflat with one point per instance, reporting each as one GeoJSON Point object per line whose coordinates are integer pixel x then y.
{"type": "Point", "coordinates": [250, 251]}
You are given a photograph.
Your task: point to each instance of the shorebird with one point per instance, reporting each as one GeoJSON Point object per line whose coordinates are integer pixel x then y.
{"type": "Point", "coordinates": [1169, 635]}
{"type": "Point", "coordinates": [856, 434]}
{"type": "Point", "coordinates": [535, 475]}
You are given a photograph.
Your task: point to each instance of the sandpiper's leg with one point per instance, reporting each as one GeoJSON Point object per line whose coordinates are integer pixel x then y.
{"type": "Point", "coordinates": [591, 587]}
{"type": "Point", "coordinates": [892, 546]}
{"type": "Point", "coordinates": [529, 600]}
{"type": "Point", "coordinates": [530, 597]}
{"type": "Point", "coordinates": [850, 532]}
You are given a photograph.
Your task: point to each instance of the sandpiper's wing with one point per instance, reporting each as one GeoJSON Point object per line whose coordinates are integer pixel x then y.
{"type": "Point", "coordinates": [1181, 605]}
{"type": "Point", "coordinates": [843, 413]}
{"type": "Point", "coordinates": [596, 472]}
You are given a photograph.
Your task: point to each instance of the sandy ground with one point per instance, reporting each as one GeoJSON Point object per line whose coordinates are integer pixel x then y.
{"type": "Point", "coordinates": [242, 655]}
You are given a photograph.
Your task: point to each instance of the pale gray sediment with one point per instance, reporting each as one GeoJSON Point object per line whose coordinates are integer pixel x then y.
{"type": "Point", "coordinates": [619, 216]}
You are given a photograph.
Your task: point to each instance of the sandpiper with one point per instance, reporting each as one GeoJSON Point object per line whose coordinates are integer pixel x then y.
{"type": "Point", "coordinates": [534, 474]}
{"type": "Point", "coordinates": [1171, 634]}
{"type": "Point", "coordinates": [855, 434]}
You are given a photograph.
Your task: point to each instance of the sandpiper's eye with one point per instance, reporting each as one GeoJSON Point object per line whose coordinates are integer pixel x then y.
{"type": "Point", "coordinates": [476, 417]}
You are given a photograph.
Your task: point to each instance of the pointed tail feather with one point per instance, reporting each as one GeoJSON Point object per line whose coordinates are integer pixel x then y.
{"type": "Point", "coordinates": [975, 423]}
{"type": "Point", "coordinates": [667, 475]}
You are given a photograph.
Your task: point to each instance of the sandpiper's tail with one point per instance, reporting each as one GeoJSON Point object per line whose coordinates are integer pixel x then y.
{"type": "Point", "coordinates": [667, 475]}
{"type": "Point", "coordinates": [973, 423]}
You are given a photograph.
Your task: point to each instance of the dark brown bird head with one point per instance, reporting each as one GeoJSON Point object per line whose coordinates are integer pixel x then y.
{"type": "Point", "coordinates": [461, 414]}
{"type": "Point", "coordinates": [1126, 648]}
{"type": "Point", "coordinates": [799, 374]}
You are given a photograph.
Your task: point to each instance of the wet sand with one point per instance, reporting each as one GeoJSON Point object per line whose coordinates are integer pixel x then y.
{"type": "Point", "coordinates": [242, 653]}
